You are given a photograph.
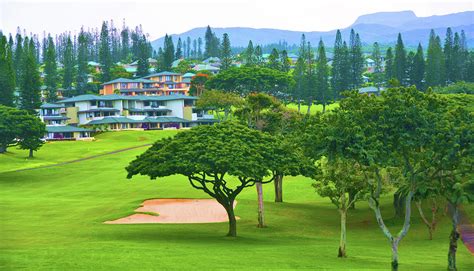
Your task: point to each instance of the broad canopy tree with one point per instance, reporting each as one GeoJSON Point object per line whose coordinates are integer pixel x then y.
{"type": "Point", "coordinates": [18, 127]}
{"type": "Point", "coordinates": [221, 160]}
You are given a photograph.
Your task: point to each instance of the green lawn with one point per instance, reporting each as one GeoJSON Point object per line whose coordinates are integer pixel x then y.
{"type": "Point", "coordinates": [314, 108]}
{"type": "Point", "coordinates": [51, 219]}
{"type": "Point", "coordinates": [61, 151]}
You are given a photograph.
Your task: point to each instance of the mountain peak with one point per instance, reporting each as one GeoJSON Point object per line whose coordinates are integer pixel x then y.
{"type": "Point", "coordinates": [392, 19]}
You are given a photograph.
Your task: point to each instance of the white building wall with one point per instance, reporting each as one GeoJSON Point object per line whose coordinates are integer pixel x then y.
{"type": "Point", "coordinates": [176, 107]}
{"type": "Point", "coordinates": [83, 105]}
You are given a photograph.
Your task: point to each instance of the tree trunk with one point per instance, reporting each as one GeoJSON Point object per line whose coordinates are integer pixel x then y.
{"type": "Point", "coordinates": [3, 149]}
{"type": "Point", "coordinates": [31, 154]}
{"type": "Point", "coordinates": [395, 254]}
{"type": "Point", "coordinates": [342, 241]}
{"type": "Point", "coordinates": [310, 103]}
{"type": "Point", "coordinates": [232, 220]}
{"type": "Point", "coordinates": [453, 240]}
{"type": "Point", "coordinates": [324, 107]}
{"type": "Point", "coordinates": [431, 225]}
{"type": "Point", "coordinates": [261, 219]}
{"type": "Point", "coordinates": [394, 240]}
{"type": "Point", "coordinates": [278, 182]}
{"type": "Point", "coordinates": [299, 106]}
{"type": "Point", "coordinates": [398, 199]}
{"type": "Point", "coordinates": [352, 195]}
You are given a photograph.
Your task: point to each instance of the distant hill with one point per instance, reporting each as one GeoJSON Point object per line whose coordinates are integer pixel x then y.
{"type": "Point", "coordinates": [382, 27]}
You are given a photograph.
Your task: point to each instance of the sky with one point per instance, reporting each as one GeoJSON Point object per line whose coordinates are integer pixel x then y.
{"type": "Point", "coordinates": [159, 17]}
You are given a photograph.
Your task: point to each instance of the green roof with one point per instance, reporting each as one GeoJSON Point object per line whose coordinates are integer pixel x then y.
{"type": "Point", "coordinates": [204, 67]}
{"type": "Point", "coordinates": [51, 106]}
{"type": "Point", "coordinates": [189, 74]}
{"type": "Point", "coordinates": [115, 97]}
{"type": "Point", "coordinates": [161, 73]}
{"type": "Point", "coordinates": [111, 120]}
{"type": "Point", "coordinates": [65, 129]}
{"type": "Point", "coordinates": [120, 80]}
{"type": "Point", "coordinates": [164, 119]}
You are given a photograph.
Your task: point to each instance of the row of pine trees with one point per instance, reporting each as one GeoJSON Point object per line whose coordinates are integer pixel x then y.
{"type": "Point", "coordinates": [20, 57]}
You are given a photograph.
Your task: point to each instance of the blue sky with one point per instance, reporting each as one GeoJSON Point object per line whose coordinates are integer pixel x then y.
{"type": "Point", "coordinates": [176, 16]}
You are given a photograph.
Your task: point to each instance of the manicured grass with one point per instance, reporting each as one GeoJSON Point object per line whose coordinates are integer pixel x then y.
{"type": "Point", "coordinates": [61, 151]}
{"type": "Point", "coordinates": [314, 108]}
{"type": "Point", "coordinates": [52, 219]}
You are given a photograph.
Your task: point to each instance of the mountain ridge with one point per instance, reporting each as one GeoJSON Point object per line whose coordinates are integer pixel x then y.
{"type": "Point", "coordinates": [382, 27]}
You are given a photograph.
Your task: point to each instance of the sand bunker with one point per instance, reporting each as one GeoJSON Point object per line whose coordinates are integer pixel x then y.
{"type": "Point", "coordinates": [177, 211]}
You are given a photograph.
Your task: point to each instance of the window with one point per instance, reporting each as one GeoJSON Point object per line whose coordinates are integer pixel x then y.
{"type": "Point", "coordinates": [93, 103]}
{"type": "Point", "coordinates": [170, 86]}
{"type": "Point", "coordinates": [168, 78]}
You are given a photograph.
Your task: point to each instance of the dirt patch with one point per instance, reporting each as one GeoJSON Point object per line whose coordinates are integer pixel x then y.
{"type": "Point", "coordinates": [176, 211]}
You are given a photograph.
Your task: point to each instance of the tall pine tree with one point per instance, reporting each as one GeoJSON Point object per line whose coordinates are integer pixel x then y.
{"type": "Point", "coordinates": [226, 57]}
{"type": "Point", "coordinates": [322, 76]}
{"type": "Point", "coordinates": [179, 49]}
{"type": "Point", "coordinates": [435, 65]}
{"type": "Point", "coordinates": [389, 65]}
{"type": "Point", "coordinates": [82, 68]}
{"type": "Point", "coordinates": [51, 71]}
{"type": "Point", "coordinates": [285, 61]}
{"type": "Point", "coordinates": [105, 57]}
{"type": "Point", "coordinates": [143, 65]}
{"type": "Point", "coordinates": [340, 67]}
{"type": "Point", "coordinates": [30, 93]}
{"type": "Point", "coordinates": [168, 52]}
{"type": "Point", "coordinates": [449, 56]}
{"type": "Point", "coordinates": [7, 73]}
{"type": "Point", "coordinates": [274, 60]}
{"type": "Point", "coordinates": [250, 54]}
{"type": "Point", "coordinates": [400, 62]}
{"type": "Point", "coordinates": [356, 61]}
{"type": "Point", "coordinates": [418, 68]}
{"type": "Point", "coordinates": [68, 70]}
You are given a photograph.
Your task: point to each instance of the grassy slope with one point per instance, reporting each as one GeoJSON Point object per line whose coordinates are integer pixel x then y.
{"type": "Point", "coordinates": [52, 219]}
{"type": "Point", "coordinates": [62, 151]}
{"type": "Point", "coordinates": [314, 108]}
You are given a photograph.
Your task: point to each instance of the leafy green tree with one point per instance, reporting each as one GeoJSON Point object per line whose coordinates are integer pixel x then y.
{"type": "Point", "coordinates": [105, 57]}
{"type": "Point", "coordinates": [30, 93]}
{"type": "Point", "coordinates": [226, 53]}
{"type": "Point", "coordinates": [322, 76]}
{"type": "Point", "coordinates": [328, 141]}
{"type": "Point", "coordinates": [7, 73]}
{"type": "Point", "coordinates": [82, 68]}
{"type": "Point", "coordinates": [31, 131]}
{"type": "Point", "coordinates": [68, 63]}
{"type": "Point", "coordinates": [219, 102]}
{"type": "Point", "coordinates": [274, 60]}
{"type": "Point", "coordinates": [209, 155]}
{"type": "Point", "coordinates": [245, 80]}
{"type": "Point", "coordinates": [50, 70]}
{"type": "Point", "coordinates": [460, 87]}
{"type": "Point", "coordinates": [435, 62]}
{"type": "Point", "coordinates": [198, 84]}
{"type": "Point", "coordinates": [18, 127]}
{"type": "Point", "coordinates": [400, 62]}
{"type": "Point", "coordinates": [285, 61]}
{"type": "Point", "coordinates": [401, 134]}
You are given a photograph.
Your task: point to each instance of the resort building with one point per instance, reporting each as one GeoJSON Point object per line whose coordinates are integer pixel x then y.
{"type": "Point", "coordinates": [120, 112]}
{"type": "Point", "coordinates": [163, 83]}
{"type": "Point", "coordinates": [56, 118]}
